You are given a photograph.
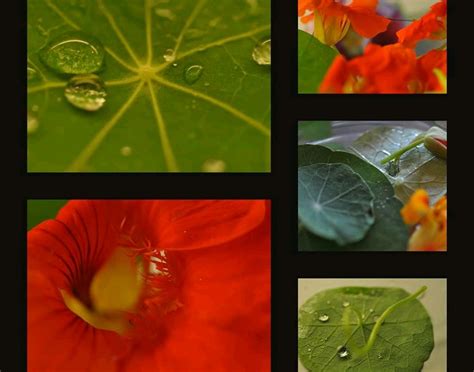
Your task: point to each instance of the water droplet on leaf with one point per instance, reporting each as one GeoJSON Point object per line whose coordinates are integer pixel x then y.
{"type": "Point", "coordinates": [175, 64]}
{"type": "Point", "coordinates": [32, 123]}
{"type": "Point", "coordinates": [86, 92]}
{"type": "Point", "coordinates": [126, 151]}
{"type": "Point", "coordinates": [73, 53]}
{"type": "Point", "coordinates": [214, 166]}
{"type": "Point", "coordinates": [345, 304]}
{"type": "Point", "coordinates": [379, 355]}
{"type": "Point", "coordinates": [193, 73]}
{"type": "Point", "coordinates": [343, 352]}
{"type": "Point", "coordinates": [169, 55]}
{"type": "Point", "coordinates": [262, 53]}
{"type": "Point", "coordinates": [323, 318]}
{"type": "Point", "coordinates": [35, 108]}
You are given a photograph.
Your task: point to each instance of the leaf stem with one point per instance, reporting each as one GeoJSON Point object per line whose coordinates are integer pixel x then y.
{"type": "Point", "coordinates": [373, 335]}
{"type": "Point", "coordinates": [399, 153]}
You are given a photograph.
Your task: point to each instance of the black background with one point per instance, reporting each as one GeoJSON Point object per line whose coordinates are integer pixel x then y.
{"type": "Point", "coordinates": [280, 186]}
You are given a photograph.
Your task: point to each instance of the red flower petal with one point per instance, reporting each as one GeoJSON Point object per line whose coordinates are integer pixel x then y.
{"type": "Point", "coordinates": [193, 224]}
{"type": "Point", "coordinates": [224, 323]}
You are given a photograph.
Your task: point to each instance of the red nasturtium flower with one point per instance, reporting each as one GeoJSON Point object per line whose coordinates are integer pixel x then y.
{"type": "Point", "coordinates": [385, 69]}
{"type": "Point", "coordinates": [332, 18]}
{"type": "Point", "coordinates": [431, 26]}
{"type": "Point", "coordinates": [174, 285]}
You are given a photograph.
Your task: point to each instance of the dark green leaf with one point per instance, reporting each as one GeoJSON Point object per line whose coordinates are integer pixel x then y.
{"type": "Point", "coordinates": [388, 233]}
{"type": "Point", "coordinates": [334, 202]}
{"type": "Point", "coordinates": [41, 210]}
{"type": "Point", "coordinates": [314, 60]}
{"type": "Point", "coordinates": [329, 321]}
{"type": "Point", "coordinates": [419, 168]}
{"type": "Point", "coordinates": [208, 109]}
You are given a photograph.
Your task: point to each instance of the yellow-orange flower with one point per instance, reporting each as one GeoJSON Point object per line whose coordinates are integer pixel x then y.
{"type": "Point", "coordinates": [332, 18]}
{"type": "Point", "coordinates": [431, 222]}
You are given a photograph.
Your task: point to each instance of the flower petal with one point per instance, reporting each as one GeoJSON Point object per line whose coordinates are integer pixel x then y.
{"type": "Point", "coordinates": [194, 224]}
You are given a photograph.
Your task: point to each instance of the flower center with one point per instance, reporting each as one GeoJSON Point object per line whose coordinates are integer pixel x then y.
{"type": "Point", "coordinates": [115, 291]}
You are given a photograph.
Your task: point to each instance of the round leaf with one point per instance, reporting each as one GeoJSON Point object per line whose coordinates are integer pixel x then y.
{"type": "Point", "coordinates": [328, 321]}
{"type": "Point", "coordinates": [388, 233]}
{"type": "Point", "coordinates": [334, 202]}
{"type": "Point", "coordinates": [183, 91]}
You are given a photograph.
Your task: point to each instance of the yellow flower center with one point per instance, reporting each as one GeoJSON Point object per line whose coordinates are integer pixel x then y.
{"type": "Point", "coordinates": [114, 291]}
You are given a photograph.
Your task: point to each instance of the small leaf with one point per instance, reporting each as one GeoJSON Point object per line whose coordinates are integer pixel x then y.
{"type": "Point", "coordinates": [314, 59]}
{"type": "Point", "coordinates": [388, 233]}
{"type": "Point", "coordinates": [404, 341]}
{"type": "Point", "coordinates": [419, 168]}
{"type": "Point", "coordinates": [334, 202]}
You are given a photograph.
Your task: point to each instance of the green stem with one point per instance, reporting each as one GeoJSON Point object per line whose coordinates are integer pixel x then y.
{"type": "Point", "coordinates": [373, 335]}
{"type": "Point", "coordinates": [400, 152]}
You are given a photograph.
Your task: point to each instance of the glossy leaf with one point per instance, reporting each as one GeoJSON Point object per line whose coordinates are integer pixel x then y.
{"type": "Point", "coordinates": [159, 114]}
{"type": "Point", "coordinates": [314, 60]}
{"type": "Point", "coordinates": [388, 232]}
{"type": "Point", "coordinates": [329, 322]}
{"type": "Point", "coordinates": [418, 168]}
{"type": "Point", "coordinates": [334, 202]}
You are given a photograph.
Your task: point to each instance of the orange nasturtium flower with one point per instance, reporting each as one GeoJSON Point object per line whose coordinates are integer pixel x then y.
{"type": "Point", "coordinates": [431, 222]}
{"type": "Point", "coordinates": [385, 69]}
{"type": "Point", "coordinates": [175, 285]}
{"type": "Point", "coordinates": [431, 26]}
{"type": "Point", "coordinates": [332, 18]}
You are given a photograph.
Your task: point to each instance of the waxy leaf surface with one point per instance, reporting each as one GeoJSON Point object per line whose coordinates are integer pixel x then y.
{"type": "Point", "coordinates": [183, 91]}
{"type": "Point", "coordinates": [334, 202]}
{"type": "Point", "coordinates": [388, 232]}
{"type": "Point", "coordinates": [418, 167]}
{"type": "Point", "coordinates": [404, 342]}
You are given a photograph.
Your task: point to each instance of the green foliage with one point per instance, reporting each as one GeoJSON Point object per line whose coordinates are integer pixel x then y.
{"type": "Point", "coordinates": [388, 233]}
{"type": "Point", "coordinates": [159, 115]}
{"type": "Point", "coordinates": [314, 59]}
{"type": "Point", "coordinates": [41, 210]}
{"type": "Point", "coordinates": [343, 319]}
{"type": "Point", "coordinates": [334, 202]}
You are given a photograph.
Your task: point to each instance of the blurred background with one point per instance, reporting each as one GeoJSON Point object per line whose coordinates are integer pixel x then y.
{"type": "Point", "coordinates": [40, 210]}
{"type": "Point", "coordinates": [345, 132]}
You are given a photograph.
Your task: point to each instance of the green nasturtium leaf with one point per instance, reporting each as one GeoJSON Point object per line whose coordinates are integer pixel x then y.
{"type": "Point", "coordinates": [314, 59]}
{"type": "Point", "coordinates": [418, 167]}
{"type": "Point", "coordinates": [334, 202]}
{"type": "Point", "coordinates": [183, 89]}
{"type": "Point", "coordinates": [388, 233]}
{"type": "Point", "coordinates": [334, 324]}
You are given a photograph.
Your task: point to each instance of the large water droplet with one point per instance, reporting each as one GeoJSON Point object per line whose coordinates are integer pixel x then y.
{"type": "Point", "coordinates": [213, 166]}
{"type": "Point", "coordinates": [193, 73]}
{"type": "Point", "coordinates": [169, 55]}
{"type": "Point", "coordinates": [262, 53]}
{"type": "Point", "coordinates": [32, 123]}
{"type": "Point", "coordinates": [32, 73]}
{"type": "Point", "coordinates": [323, 318]}
{"type": "Point", "coordinates": [126, 151]}
{"type": "Point", "coordinates": [345, 304]}
{"type": "Point", "coordinates": [86, 92]}
{"type": "Point", "coordinates": [73, 53]}
{"type": "Point", "coordinates": [343, 352]}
